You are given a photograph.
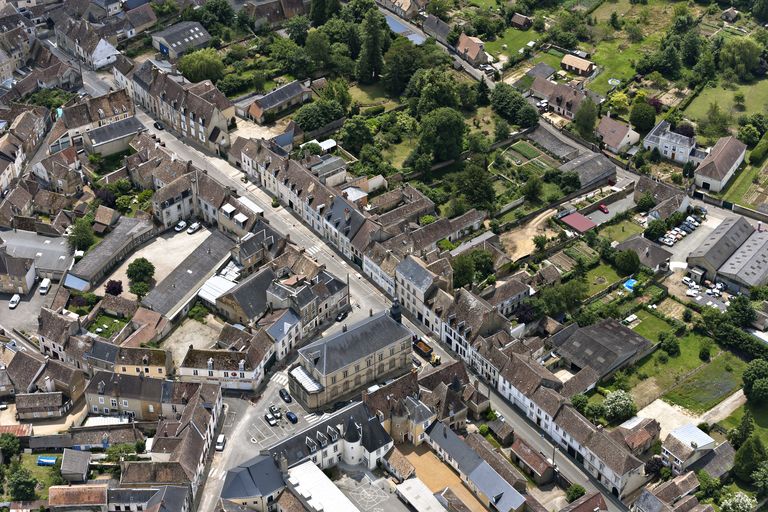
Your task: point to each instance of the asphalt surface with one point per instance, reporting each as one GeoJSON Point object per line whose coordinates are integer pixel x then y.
{"type": "Point", "coordinates": [241, 419]}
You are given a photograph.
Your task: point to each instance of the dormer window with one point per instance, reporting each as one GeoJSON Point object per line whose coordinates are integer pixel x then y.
{"type": "Point", "coordinates": [311, 444]}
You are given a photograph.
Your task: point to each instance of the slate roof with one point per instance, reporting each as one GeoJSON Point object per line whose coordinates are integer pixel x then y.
{"type": "Point", "coordinates": [257, 477]}
{"type": "Point", "coordinates": [281, 95]}
{"type": "Point", "coordinates": [479, 472]}
{"type": "Point", "coordinates": [103, 351]}
{"type": "Point", "coordinates": [727, 152]}
{"type": "Point", "coordinates": [416, 273]}
{"type": "Point", "coordinates": [717, 462]}
{"type": "Point", "coordinates": [723, 241]}
{"type": "Point", "coordinates": [75, 461]}
{"type": "Point", "coordinates": [436, 27]}
{"type": "Point", "coordinates": [604, 346]}
{"type": "Point", "coordinates": [366, 337]}
{"type": "Point", "coordinates": [542, 69]}
{"type": "Point", "coordinates": [374, 437]}
{"type": "Point", "coordinates": [651, 255]}
{"type": "Point", "coordinates": [115, 131]}
{"type": "Point", "coordinates": [126, 386]}
{"type": "Point", "coordinates": [591, 168]}
{"type": "Point", "coordinates": [496, 460]}
{"type": "Point", "coordinates": [184, 35]}
{"type": "Point", "coordinates": [251, 293]}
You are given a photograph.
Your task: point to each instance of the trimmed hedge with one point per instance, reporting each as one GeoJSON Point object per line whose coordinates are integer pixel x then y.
{"type": "Point", "coordinates": [757, 155]}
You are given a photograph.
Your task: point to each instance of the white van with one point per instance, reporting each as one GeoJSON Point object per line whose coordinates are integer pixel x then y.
{"type": "Point", "coordinates": [220, 442]}
{"type": "Point", "coordinates": [45, 285]}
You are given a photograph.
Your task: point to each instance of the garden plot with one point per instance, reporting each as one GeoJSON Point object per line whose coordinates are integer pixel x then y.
{"type": "Point", "coordinates": [563, 262]}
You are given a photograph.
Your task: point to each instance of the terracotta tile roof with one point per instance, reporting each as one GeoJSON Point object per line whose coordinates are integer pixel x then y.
{"type": "Point", "coordinates": [62, 495]}
{"type": "Point", "coordinates": [532, 459]}
{"type": "Point", "coordinates": [400, 463]}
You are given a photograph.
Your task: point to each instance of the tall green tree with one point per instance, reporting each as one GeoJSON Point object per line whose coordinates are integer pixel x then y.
{"type": "Point", "coordinates": [585, 118]}
{"type": "Point", "coordinates": [21, 485]}
{"type": "Point", "coordinates": [642, 116]}
{"type": "Point", "coordinates": [371, 61]}
{"type": "Point", "coordinates": [476, 184]}
{"type": "Point", "coordinates": [338, 91]}
{"type": "Point", "coordinates": [205, 64]}
{"type": "Point", "coordinates": [10, 446]}
{"type": "Point", "coordinates": [748, 456]}
{"type": "Point", "coordinates": [318, 12]}
{"type": "Point", "coordinates": [442, 134]}
{"type": "Point", "coordinates": [401, 61]}
{"type": "Point", "coordinates": [463, 270]}
{"type": "Point", "coordinates": [81, 236]}
{"type": "Point", "coordinates": [297, 29]}
{"type": "Point", "coordinates": [140, 270]}
{"type": "Point", "coordinates": [318, 47]}
{"type": "Point", "coordinates": [355, 134]}
{"type": "Point", "coordinates": [742, 56]}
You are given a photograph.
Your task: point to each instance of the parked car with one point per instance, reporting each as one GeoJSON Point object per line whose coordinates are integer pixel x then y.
{"type": "Point", "coordinates": [270, 420]}
{"type": "Point", "coordinates": [603, 208]}
{"type": "Point", "coordinates": [669, 242]}
{"type": "Point", "coordinates": [688, 281]}
{"type": "Point", "coordinates": [292, 417]}
{"type": "Point", "coordinates": [193, 227]}
{"type": "Point", "coordinates": [220, 443]}
{"type": "Point", "coordinates": [285, 396]}
{"type": "Point", "coordinates": [416, 361]}
{"type": "Point", "coordinates": [341, 316]}
{"type": "Point", "coordinates": [181, 226]}
{"type": "Point", "coordinates": [275, 411]}
{"type": "Point", "coordinates": [14, 301]}
{"type": "Point", "coordinates": [3, 406]}
{"type": "Point", "coordinates": [686, 229]}
{"type": "Point", "coordinates": [693, 221]}
{"type": "Point", "coordinates": [159, 126]}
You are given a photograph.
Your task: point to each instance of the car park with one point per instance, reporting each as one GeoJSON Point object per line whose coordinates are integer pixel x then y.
{"type": "Point", "coordinates": [292, 417]}
{"type": "Point", "coordinates": [193, 228]}
{"type": "Point", "coordinates": [14, 301]}
{"type": "Point", "coordinates": [181, 226]}
{"type": "Point", "coordinates": [285, 396]}
{"type": "Point", "coordinates": [270, 420]}
{"type": "Point", "coordinates": [275, 411]}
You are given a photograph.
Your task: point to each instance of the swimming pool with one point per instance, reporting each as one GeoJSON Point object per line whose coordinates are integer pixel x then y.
{"type": "Point", "coordinates": [629, 284]}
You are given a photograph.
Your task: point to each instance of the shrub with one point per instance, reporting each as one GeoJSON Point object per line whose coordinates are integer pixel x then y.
{"type": "Point", "coordinates": [619, 406]}
{"type": "Point", "coordinates": [665, 473]}
{"type": "Point", "coordinates": [574, 492]}
{"type": "Point", "coordinates": [198, 312]}
{"type": "Point", "coordinates": [491, 415]}
{"type": "Point", "coordinates": [663, 357]}
{"type": "Point", "coordinates": [758, 154]}
{"type": "Point", "coordinates": [483, 430]}
{"type": "Point", "coordinates": [687, 315]}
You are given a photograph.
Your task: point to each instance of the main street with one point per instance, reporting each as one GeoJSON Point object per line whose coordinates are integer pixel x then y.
{"type": "Point", "coordinates": [362, 294]}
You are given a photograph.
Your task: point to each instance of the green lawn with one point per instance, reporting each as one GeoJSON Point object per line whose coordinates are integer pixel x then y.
{"type": "Point", "coordinates": [114, 325]}
{"type": "Point", "coordinates": [709, 386]}
{"type": "Point", "coordinates": [600, 278]}
{"type": "Point", "coordinates": [651, 326]}
{"type": "Point", "coordinates": [43, 474]}
{"type": "Point", "coordinates": [740, 185]}
{"type": "Point", "coordinates": [525, 149]}
{"type": "Point", "coordinates": [621, 231]}
{"type": "Point", "coordinates": [514, 39]}
{"type": "Point", "coordinates": [551, 57]}
{"type": "Point", "coordinates": [759, 414]}
{"type": "Point", "coordinates": [371, 95]}
{"type": "Point", "coordinates": [616, 61]}
{"type": "Point", "coordinates": [603, 13]}
{"type": "Point", "coordinates": [397, 153]}
{"type": "Point", "coordinates": [755, 96]}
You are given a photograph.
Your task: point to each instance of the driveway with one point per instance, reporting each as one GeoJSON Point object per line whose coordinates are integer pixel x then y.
{"type": "Point", "coordinates": [671, 417]}
{"type": "Point", "coordinates": [614, 209]}
{"type": "Point", "coordinates": [24, 316]}
{"type": "Point", "coordinates": [165, 252]}
{"type": "Point", "coordinates": [684, 247]}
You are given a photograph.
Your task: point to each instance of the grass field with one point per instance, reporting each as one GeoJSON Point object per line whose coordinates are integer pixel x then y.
{"type": "Point", "coordinates": [525, 149]}
{"type": "Point", "coordinates": [740, 185]}
{"type": "Point", "coordinates": [551, 57]}
{"type": "Point", "coordinates": [651, 326]}
{"type": "Point", "coordinates": [514, 39]}
{"type": "Point", "coordinates": [371, 95]}
{"type": "Point", "coordinates": [621, 231]}
{"type": "Point", "coordinates": [600, 278]}
{"type": "Point", "coordinates": [113, 325]}
{"type": "Point", "coordinates": [616, 59]}
{"type": "Point", "coordinates": [759, 414]}
{"type": "Point", "coordinates": [709, 386]}
{"type": "Point", "coordinates": [603, 13]}
{"type": "Point", "coordinates": [755, 96]}
{"type": "Point", "coordinates": [43, 474]}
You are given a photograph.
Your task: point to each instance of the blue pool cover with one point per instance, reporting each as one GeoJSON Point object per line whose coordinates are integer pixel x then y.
{"type": "Point", "coordinates": [399, 28]}
{"type": "Point", "coordinates": [630, 284]}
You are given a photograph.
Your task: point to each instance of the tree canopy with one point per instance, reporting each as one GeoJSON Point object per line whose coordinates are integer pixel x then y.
{"type": "Point", "coordinates": [205, 64]}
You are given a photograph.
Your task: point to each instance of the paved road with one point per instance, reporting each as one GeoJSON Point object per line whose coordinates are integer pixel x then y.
{"type": "Point", "coordinates": [361, 292]}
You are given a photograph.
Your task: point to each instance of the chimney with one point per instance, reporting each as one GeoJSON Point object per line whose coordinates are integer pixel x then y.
{"type": "Point", "coordinates": [101, 387]}
{"type": "Point", "coordinates": [395, 311]}
{"type": "Point", "coordinates": [241, 365]}
{"type": "Point", "coordinates": [49, 387]}
{"type": "Point", "coordinates": [210, 363]}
